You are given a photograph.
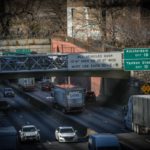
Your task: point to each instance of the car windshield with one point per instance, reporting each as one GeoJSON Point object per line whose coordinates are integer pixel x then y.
{"type": "Point", "coordinates": [66, 130]}
{"type": "Point", "coordinates": [29, 129]}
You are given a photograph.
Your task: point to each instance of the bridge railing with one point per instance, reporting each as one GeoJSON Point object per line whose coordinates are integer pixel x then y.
{"type": "Point", "coordinates": [33, 63]}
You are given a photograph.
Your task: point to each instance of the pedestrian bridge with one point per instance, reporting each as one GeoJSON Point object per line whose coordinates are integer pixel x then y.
{"type": "Point", "coordinates": [79, 64]}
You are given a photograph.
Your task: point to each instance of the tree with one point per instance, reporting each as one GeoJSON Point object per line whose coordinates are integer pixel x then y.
{"type": "Point", "coordinates": [32, 18]}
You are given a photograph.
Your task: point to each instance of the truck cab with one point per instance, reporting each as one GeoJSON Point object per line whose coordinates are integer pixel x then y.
{"type": "Point", "coordinates": [103, 142]}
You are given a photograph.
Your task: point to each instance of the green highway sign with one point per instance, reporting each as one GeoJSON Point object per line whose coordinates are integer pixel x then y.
{"type": "Point", "coordinates": [136, 59]}
{"type": "Point", "coordinates": [137, 64]}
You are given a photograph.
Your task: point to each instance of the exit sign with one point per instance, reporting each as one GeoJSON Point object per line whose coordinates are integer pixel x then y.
{"type": "Point", "coordinates": [136, 59]}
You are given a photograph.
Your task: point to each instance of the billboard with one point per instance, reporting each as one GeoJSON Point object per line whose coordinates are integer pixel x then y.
{"type": "Point", "coordinates": [95, 61]}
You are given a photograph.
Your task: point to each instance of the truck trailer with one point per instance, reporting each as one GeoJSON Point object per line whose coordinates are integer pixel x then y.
{"type": "Point", "coordinates": [27, 84]}
{"type": "Point", "coordinates": [69, 97]}
{"type": "Point", "coordinates": [138, 114]}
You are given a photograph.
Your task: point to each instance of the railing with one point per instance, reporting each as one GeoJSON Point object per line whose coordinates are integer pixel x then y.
{"type": "Point", "coordinates": [33, 63]}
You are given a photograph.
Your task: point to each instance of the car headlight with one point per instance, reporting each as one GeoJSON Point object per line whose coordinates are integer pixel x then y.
{"type": "Point", "coordinates": [60, 136]}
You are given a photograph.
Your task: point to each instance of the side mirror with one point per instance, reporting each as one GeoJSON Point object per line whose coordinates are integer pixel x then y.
{"type": "Point", "coordinates": [19, 131]}
{"type": "Point", "coordinates": [76, 131]}
{"type": "Point", "coordinates": [38, 130]}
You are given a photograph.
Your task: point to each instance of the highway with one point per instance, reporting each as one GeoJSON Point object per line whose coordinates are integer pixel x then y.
{"type": "Point", "coordinates": [93, 119]}
{"type": "Point", "coordinates": [23, 113]}
{"type": "Point", "coordinates": [99, 119]}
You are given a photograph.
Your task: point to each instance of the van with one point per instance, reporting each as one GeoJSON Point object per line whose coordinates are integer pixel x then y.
{"type": "Point", "coordinates": [103, 142]}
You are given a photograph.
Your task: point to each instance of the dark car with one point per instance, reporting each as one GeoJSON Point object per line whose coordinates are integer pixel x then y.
{"type": "Point", "coordinates": [46, 86]}
{"type": "Point", "coordinates": [9, 92]}
{"type": "Point", "coordinates": [90, 96]}
{"type": "Point", "coordinates": [4, 105]}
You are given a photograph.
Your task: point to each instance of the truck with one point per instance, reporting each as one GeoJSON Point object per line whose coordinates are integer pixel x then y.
{"type": "Point", "coordinates": [27, 84]}
{"type": "Point", "coordinates": [137, 117]}
{"type": "Point", "coordinates": [8, 138]}
{"type": "Point", "coordinates": [69, 97]}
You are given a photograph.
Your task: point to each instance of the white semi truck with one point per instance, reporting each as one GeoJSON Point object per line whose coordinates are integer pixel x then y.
{"type": "Point", "coordinates": [27, 84]}
{"type": "Point", "coordinates": [69, 98]}
{"type": "Point", "coordinates": [138, 114]}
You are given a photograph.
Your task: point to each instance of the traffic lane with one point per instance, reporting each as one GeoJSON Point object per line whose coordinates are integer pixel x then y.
{"type": "Point", "coordinates": [46, 144]}
{"type": "Point", "coordinates": [110, 112]}
{"type": "Point", "coordinates": [91, 119]}
{"type": "Point", "coordinates": [107, 123]}
{"type": "Point", "coordinates": [66, 146]}
{"type": "Point", "coordinates": [34, 100]}
{"type": "Point", "coordinates": [24, 114]}
{"type": "Point", "coordinates": [58, 119]}
{"type": "Point", "coordinates": [135, 141]}
{"type": "Point", "coordinates": [47, 117]}
{"type": "Point", "coordinates": [43, 95]}
{"type": "Point", "coordinates": [63, 119]}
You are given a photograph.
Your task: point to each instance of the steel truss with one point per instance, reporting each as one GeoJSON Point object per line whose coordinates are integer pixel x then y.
{"type": "Point", "coordinates": [33, 62]}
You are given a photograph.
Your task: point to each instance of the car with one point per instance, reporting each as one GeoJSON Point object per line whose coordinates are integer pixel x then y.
{"type": "Point", "coordinates": [46, 86]}
{"type": "Point", "coordinates": [4, 105]}
{"type": "Point", "coordinates": [9, 92]}
{"type": "Point", "coordinates": [90, 96]}
{"type": "Point", "coordinates": [29, 132]}
{"type": "Point", "coordinates": [66, 134]}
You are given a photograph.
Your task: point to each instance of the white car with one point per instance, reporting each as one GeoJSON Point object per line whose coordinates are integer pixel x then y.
{"type": "Point", "coordinates": [29, 132]}
{"type": "Point", "coordinates": [66, 134]}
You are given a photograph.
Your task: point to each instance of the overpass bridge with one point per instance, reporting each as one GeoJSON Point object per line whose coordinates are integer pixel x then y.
{"type": "Point", "coordinates": [108, 65]}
